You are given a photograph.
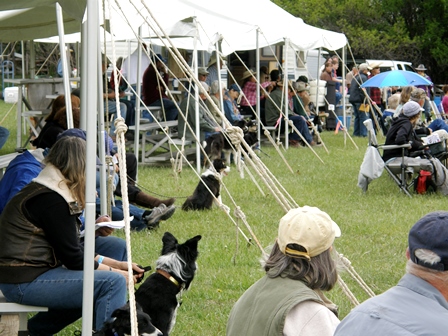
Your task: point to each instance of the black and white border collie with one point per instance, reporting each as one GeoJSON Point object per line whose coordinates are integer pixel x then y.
{"type": "Point", "coordinates": [120, 325]}
{"type": "Point", "coordinates": [202, 198]}
{"type": "Point", "coordinates": [218, 144]}
{"type": "Point", "coordinates": [176, 268]}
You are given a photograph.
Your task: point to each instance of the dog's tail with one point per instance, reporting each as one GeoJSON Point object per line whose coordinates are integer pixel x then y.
{"type": "Point", "coordinates": [188, 204]}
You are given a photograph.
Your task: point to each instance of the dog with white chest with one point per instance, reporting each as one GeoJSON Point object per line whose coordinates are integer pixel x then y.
{"type": "Point", "coordinates": [208, 188]}
{"type": "Point", "coordinates": [176, 268]}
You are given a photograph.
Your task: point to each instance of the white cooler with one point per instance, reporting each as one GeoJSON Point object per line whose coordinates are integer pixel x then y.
{"type": "Point", "coordinates": [11, 94]}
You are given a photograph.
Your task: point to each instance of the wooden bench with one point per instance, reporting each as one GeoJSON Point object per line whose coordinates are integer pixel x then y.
{"type": "Point", "coordinates": [14, 317]}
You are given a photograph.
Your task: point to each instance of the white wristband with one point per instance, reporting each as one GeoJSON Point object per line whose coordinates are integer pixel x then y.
{"type": "Point", "coordinates": [100, 259]}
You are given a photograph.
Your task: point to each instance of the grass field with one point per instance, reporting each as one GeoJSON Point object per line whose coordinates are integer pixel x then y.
{"type": "Point", "coordinates": [374, 226]}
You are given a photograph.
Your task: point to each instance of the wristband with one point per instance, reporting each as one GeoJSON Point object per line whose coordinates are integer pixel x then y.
{"type": "Point", "coordinates": [100, 259]}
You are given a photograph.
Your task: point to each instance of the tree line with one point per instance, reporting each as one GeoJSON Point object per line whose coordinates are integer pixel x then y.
{"type": "Point", "coordinates": [405, 30]}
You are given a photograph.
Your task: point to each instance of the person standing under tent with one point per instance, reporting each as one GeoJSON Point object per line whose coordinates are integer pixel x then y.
{"type": "Point", "coordinates": [155, 79]}
{"type": "Point", "coordinates": [357, 97]}
{"type": "Point", "coordinates": [50, 272]}
{"type": "Point", "coordinates": [289, 298]}
{"type": "Point", "coordinates": [418, 304]}
{"type": "Point", "coordinates": [428, 89]}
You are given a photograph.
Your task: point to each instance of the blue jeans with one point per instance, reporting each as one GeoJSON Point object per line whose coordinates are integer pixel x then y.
{"type": "Point", "coordinates": [138, 223]}
{"type": "Point", "coordinates": [360, 117]}
{"type": "Point", "coordinates": [171, 111]}
{"type": "Point", "coordinates": [438, 124]}
{"type": "Point", "coordinates": [112, 106]}
{"type": "Point", "coordinates": [301, 125]}
{"type": "Point", "coordinates": [4, 134]}
{"type": "Point", "coordinates": [60, 290]}
{"type": "Point", "coordinates": [111, 247]}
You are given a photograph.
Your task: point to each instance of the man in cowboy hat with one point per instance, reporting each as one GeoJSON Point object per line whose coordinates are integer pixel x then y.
{"type": "Point", "coordinates": [428, 89]}
{"type": "Point", "coordinates": [376, 97]}
{"type": "Point", "coordinates": [250, 100]}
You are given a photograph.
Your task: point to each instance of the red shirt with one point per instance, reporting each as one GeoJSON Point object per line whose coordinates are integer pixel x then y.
{"type": "Point", "coordinates": [375, 94]}
{"type": "Point", "coordinates": [149, 86]}
{"type": "Point", "coordinates": [250, 93]}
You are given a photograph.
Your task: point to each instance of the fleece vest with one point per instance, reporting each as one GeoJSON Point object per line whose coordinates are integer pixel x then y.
{"type": "Point", "coordinates": [263, 308]}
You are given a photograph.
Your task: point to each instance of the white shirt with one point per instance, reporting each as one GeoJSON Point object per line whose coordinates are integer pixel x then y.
{"type": "Point", "coordinates": [310, 318]}
{"type": "Point", "coordinates": [132, 76]}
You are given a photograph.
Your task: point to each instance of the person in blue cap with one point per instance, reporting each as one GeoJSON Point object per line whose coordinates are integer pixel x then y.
{"type": "Point", "coordinates": [230, 104]}
{"type": "Point", "coordinates": [418, 304]}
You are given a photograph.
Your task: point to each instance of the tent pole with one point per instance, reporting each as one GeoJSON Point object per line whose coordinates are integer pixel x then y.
{"type": "Point", "coordinates": [91, 97]}
{"type": "Point", "coordinates": [84, 75]}
{"type": "Point", "coordinates": [138, 90]}
{"type": "Point", "coordinates": [32, 60]}
{"type": "Point", "coordinates": [286, 88]}
{"type": "Point", "coordinates": [317, 80]}
{"type": "Point", "coordinates": [66, 76]}
{"type": "Point", "coordinates": [257, 67]}
{"type": "Point", "coordinates": [221, 98]}
{"type": "Point", "coordinates": [196, 96]}
{"type": "Point", "coordinates": [344, 92]}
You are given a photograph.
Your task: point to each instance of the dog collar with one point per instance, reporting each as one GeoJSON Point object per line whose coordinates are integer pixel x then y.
{"type": "Point", "coordinates": [169, 277]}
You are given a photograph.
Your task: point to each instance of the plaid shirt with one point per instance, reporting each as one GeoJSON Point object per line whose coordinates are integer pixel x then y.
{"type": "Point", "coordinates": [375, 94]}
{"type": "Point", "coordinates": [250, 93]}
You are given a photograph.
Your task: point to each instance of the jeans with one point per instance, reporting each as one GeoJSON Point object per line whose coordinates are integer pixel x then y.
{"type": "Point", "coordinates": [171, 111]}
{"type": "Point", "coordinates": [4, 134]}
{"type": "Point", "coordinates": [438, 124]}
{"type": "Point", "coordinates": [360, 117]}
{"type": "Point", "coordinates": [60, 290]}
{"type": "Point", "coordinates": [301, 125]}
{"type": "Point", "coordinates": [112, 108]}
{"type": "Point", "coordinates": [111, 247]}
{"type": "Point", "coordinates": [138, 223]}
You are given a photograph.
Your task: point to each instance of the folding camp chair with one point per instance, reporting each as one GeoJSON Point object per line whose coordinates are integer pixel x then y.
{"type": "Point", "coordinates": [401, 169]}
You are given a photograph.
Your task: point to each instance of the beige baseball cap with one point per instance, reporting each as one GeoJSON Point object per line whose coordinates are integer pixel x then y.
{"type": "Point", "coordinates": [309, 227]}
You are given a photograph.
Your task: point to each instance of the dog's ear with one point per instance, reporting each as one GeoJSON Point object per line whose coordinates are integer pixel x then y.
{"type": "Point", "coordinates": [122, 311]}
{"type": "Point", "coordinates": [192, 243]}
{"type": "Point", "coordinates": [169, 243]}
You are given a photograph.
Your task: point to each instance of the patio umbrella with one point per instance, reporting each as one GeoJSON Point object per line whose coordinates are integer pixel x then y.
{"type": "Point", "coordinates": [396, 78]}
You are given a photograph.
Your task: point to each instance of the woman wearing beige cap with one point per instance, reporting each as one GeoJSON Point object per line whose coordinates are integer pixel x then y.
{"type": "Point", "coordinates": [288, 300]}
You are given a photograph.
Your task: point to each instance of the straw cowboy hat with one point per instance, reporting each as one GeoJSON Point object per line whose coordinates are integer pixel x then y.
{"type": "Point", "coordinates": [374, 65]}
{"type": "Point", "coordinates": [421, 67]}
{"type": "Point", "coordinates": [247, 74]}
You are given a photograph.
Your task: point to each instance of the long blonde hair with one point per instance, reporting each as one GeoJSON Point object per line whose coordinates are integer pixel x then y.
{"type": "Point", "coordinates": [68, 155]}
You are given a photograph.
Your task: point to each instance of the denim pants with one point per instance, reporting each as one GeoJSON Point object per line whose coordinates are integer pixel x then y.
{"type": "Point", "coordinates": [4, 134]}
{"type": "Point", "coordinates": [359, 118]}
{"type": "Point", "coordinates": [301, 125]}
{"type": "Point", "coordinates": [60, 290]}
{"type": "Point", "coordinates": [171, 111]}
{"type": "Point", "coordinates": [438, 124]}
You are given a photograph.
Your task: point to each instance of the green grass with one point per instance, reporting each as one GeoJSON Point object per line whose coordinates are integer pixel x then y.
{"type": "Point", "coordinates": [374, 226]}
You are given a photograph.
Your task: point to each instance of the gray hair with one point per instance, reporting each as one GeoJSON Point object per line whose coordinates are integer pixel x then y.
{"type": "Point", "coordinates": [214, 87]}
{"type": "Point", "coordinates": [417, 94]}
{"type": "Point", "coordinates": [423, 272]}
{"type": "Point", "coordinates": [203, 88]}
{"type": "Point", "coordinates": [320, 272]}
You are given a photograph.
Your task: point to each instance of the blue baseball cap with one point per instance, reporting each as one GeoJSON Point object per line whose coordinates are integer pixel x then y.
{"type": "Point", "coordinates": [431, 233]}
{"type": "Point", "coordinates": [234, 87]}
{"type": "Point", "coordinates": [75, 132]}
{"type": "Point", "coordinates": [157, 57]}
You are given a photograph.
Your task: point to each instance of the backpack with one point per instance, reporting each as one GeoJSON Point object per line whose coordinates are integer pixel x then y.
{"type": "Point", "coordinates": [424, 183]}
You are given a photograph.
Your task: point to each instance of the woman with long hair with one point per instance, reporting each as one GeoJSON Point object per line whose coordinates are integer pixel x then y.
{"type": "Point", "coordinates": [42, 260]}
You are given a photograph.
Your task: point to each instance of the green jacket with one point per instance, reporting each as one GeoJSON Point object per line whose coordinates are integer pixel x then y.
{"type": "Point", "coordinates": [263, 308]}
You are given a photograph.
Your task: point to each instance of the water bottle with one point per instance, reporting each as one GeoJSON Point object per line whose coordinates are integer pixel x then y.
{"type": "Point", "coordinates": [175, 84]}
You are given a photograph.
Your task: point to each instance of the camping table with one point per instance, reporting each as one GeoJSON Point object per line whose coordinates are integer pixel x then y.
{"type": "Point", "coordinates": [33, 99]}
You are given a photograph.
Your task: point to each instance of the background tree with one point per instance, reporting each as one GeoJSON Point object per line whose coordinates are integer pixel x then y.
{"type": "Point", "coordinates": [408, 30]}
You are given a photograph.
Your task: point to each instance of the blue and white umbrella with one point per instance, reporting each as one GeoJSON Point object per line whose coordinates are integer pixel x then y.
{"type": "Point", "coordinates": [396, 78]}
